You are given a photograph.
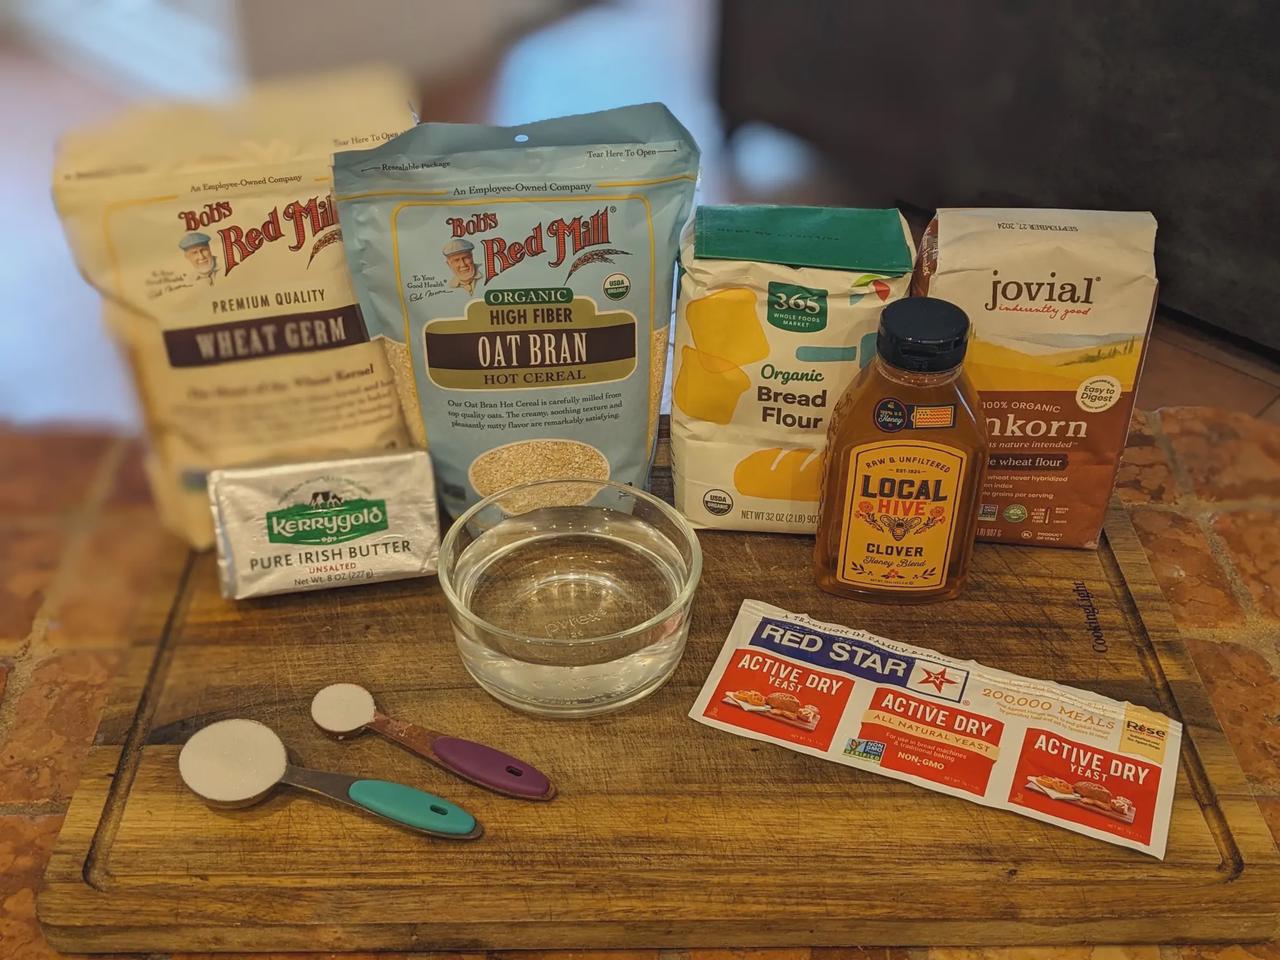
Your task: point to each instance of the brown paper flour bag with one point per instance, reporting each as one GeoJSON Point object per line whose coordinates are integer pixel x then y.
{"type": "Point", "coordinates": [1061, 303]}
{"type": "Point", "coordinates": [212, 234]}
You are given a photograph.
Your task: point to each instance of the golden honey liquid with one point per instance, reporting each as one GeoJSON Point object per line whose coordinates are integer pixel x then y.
{"type": "Point", "coordinates": [906, 453]}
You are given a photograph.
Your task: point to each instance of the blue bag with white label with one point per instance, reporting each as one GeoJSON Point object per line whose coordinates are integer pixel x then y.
{"type": "Point", "coordinates": [527, 272]}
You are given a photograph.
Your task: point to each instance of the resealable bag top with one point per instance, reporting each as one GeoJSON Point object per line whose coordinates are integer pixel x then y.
{"type": "Point", "coordinates": [211, 232]}
{"type": "Point", "coordinates": [528, 269]}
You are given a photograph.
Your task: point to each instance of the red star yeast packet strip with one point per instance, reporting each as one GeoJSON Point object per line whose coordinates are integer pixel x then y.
{"type": "Point", "coordinates": [1077, 759]}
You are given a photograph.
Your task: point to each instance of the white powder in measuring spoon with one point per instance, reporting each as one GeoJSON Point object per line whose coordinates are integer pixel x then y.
{"type": "Point", "coordinates": [342, 708]}
{"type": "Point", "coordinates": [233, 761]}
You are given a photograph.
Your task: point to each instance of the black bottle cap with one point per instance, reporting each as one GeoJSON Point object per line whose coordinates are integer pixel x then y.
{"type": "Point", "coordinates": [922, 334]}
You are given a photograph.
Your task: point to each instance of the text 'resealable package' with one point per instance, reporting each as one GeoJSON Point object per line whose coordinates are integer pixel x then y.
{"type": "Point", "coordinates": [1065, 756]}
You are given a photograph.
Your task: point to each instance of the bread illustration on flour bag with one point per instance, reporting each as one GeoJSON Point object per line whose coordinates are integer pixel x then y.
{"type": "Point", "coordinates": [777, 474]}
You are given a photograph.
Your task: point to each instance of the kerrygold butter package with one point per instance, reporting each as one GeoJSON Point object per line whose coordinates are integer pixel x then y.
{"type": "Point", "coordinates": [312, 526]}
{"type": "Point", "coordinates": [212, 234]}
{"type": "Point", "coordinates": [777, 312]}
{"type": "Point", "coordinates": [528, 271]}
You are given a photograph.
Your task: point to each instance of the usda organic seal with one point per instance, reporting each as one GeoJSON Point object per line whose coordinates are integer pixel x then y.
{"type": "Point", "coordinates": [617, 286]}
{"type": "Point", "coordinates": [717, 502]}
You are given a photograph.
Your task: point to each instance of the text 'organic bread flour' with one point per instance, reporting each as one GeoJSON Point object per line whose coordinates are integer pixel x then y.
{"type": "Point", "coordinates": [212, 234]}
{"type": "Point", "coordinates": [1061, 303]}
{"type": "Point", "coordinates": [528, 271]}
{"type": "Point", "coordinates": [777, 313]}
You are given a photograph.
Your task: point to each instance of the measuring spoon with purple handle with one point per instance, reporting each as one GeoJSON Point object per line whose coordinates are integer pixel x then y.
{"type": "Point", "coordinates": [346, 709]}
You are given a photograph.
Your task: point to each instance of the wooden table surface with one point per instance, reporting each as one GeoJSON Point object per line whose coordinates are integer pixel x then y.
{"type": "Point", "coordinates": [1203, 493]}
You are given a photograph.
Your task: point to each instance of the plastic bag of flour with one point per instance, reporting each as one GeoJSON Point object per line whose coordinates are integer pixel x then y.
{"type": "Point", "coordinates": [528, 271]}
{"type": "Point", "coordinates": [778, 311]}
{"type": "Point", "coordinates": [212, 234]}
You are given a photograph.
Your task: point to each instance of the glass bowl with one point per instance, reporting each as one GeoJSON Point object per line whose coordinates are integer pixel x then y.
{"type": "Point", "coordinates": [570, 597]}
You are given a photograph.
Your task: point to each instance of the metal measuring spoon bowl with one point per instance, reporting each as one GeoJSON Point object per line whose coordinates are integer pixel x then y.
{"type": "Point", "coordinates": [236, 763]}
{"type": "Point", "coordinates": [346, 709]}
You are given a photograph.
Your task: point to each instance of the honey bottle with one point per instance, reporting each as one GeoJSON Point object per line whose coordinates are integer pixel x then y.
{"type": "Point", "coordinates": [906, 454]}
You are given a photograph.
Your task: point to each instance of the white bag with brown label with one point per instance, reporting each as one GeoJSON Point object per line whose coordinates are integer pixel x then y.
{"type": "Point", "coordinates": [1061, 303]}
{"type": "Point", "coordinates": [212, 234]}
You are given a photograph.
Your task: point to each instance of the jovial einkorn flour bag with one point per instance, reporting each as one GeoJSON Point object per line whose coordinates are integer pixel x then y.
{"type": "Point", "coordinates": [528, 269]}
{"type": "Point", "coordinates": [778, 311]}
{"type": "Point", "coordinates": [213, 237]}
{"type": "Point", "coordinates": [1061, 303]}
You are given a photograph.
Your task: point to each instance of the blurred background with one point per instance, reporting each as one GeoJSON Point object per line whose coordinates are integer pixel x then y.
{"type": "Point", "coordinates": [1172, 108]}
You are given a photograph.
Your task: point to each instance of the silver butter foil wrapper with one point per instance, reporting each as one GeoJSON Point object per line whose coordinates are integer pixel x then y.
{"type": "Point", "coordinates": [331, 523]}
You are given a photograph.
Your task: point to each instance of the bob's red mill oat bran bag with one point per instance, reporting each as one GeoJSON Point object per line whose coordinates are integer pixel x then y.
{"type": "Point", "coordinates": [212, 234]}
{"type": "Point", "coordinates": [1061, 303]}
{"type": "Point", "coordinates": [527, 270]}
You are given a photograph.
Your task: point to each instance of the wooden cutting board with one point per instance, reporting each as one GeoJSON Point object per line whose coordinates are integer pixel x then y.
{"type": "Point", "coordinates": [665, 833]}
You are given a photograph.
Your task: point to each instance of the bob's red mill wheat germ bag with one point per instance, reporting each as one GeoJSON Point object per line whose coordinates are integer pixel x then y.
{"type": "Point", "coordinates": [1061, 303]}
{"type": "Point", "coordinates": [213, 237]}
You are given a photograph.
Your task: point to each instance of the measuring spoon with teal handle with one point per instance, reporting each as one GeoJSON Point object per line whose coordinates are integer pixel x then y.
{"type": "Point", "coordinates": [345, 709]}
{"type": "Point", "coordinates": [236, 763]}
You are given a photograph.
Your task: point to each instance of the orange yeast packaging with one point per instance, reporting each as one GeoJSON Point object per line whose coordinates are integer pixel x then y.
{"type": "Point", "coordinates": [1058, 754]}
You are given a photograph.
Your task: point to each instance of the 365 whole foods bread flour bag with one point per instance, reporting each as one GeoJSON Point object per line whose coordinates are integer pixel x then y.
{"type": "Point", "coordinates": [1061, 303]}
{"type": "Point", "coordinates": [212, 234]}
{"type": "Point", "coordinates": [778, 311]}
{"type": "Point", "coordinates": [528, 270]}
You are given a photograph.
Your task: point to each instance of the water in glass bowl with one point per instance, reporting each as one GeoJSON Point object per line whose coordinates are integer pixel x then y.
{"type": "Point", "coordinates": [565, 586]}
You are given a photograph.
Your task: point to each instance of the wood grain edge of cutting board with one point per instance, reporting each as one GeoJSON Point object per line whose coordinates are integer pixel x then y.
{"type": "Point", "coordinates": [73, 892]}
{"type": "Point", "coordinates": [1251, 861]}
{"type": "Point", "coordinates": [77, 896]}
